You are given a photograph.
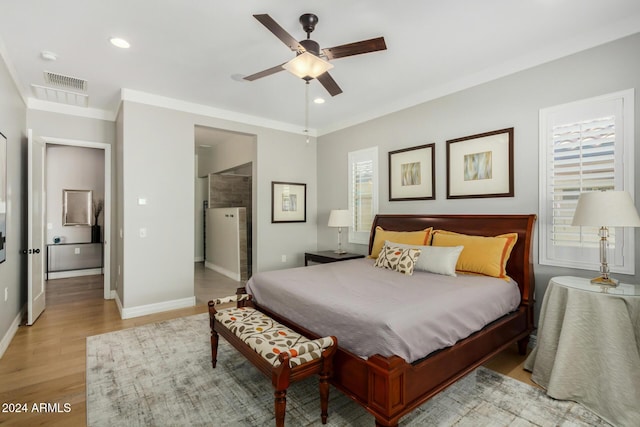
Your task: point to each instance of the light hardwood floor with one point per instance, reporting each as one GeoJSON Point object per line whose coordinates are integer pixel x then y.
{"type": "Point", "coordinates": [46, 362]}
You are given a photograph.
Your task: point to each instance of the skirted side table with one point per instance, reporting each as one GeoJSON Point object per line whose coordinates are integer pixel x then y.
{"type": "Point", "coordinates": [588, 347]}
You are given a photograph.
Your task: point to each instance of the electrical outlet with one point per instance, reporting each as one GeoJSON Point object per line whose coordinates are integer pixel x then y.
{"type": "Point", "coordinates": [143, 232]}
{"type": "Point", "coordinates": [77, 251]}
{"type": "Point", "coordinates": [284, 258]}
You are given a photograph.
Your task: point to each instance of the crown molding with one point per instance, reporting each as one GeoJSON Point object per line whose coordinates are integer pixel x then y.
{"type": "Point", "coordinates": [72, 110]}
{"type": "Point", "coordinates": [206, 110]}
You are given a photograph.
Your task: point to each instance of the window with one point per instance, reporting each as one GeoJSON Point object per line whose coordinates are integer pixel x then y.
{"type": "Point", "coordinates": [363, 193]}
{"type": "Point", "coordinates": [584, 146]}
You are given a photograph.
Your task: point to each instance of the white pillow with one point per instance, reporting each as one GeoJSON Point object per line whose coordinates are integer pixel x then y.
{"type": "Point", "coordinates": [434, 259]}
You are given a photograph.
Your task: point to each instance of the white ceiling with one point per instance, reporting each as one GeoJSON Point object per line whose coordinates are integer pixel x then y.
{"type": "Point", "coordinates": [189, 50]}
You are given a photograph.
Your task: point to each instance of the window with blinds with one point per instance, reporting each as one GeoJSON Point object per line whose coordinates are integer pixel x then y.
{"type": "Point", "coordinates": [363, 193]}
{"type": "Point", "coordinates": [585, 146]}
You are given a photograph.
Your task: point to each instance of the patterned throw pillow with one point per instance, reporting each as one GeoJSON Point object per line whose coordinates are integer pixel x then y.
{"type": "Point", "coordinates": [398, 259]}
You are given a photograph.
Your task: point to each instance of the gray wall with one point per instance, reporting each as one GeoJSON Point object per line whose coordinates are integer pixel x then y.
{"type": "Point", "coordinates": [13, 270]}
{"type": "Point", "coordinates": [71, 168]}
{"type": "Point", "coordinates": [159, 267]}
{"type": "Point", "coordinates": [512, 101]}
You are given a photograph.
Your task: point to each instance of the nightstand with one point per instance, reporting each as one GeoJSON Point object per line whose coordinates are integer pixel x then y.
{"type": "Point", "coordinates": [588, 347]}
{"type": "Point", "coordinates": [323, 257]}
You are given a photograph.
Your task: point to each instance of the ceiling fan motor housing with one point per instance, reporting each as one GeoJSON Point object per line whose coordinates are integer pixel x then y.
{"type": "Point", "coordinates": [311, 46]}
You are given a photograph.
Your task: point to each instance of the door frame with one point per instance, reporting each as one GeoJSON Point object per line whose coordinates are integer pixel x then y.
{"type": "Point", "coordinates": [108, 292]}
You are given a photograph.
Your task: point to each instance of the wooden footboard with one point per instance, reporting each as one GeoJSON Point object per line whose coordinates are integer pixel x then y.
{"type": "Point", "coordinates": [389, 387]}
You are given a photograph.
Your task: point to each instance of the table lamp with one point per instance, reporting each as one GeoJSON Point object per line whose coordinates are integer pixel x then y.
{"type": "Point", "coordinates": [339, 218]}
{"type": "Point", "coordinates": [605, 209]}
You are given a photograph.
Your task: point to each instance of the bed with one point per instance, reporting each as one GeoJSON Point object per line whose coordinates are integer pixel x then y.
{"type": "Point", "coordinates": [399, 373]}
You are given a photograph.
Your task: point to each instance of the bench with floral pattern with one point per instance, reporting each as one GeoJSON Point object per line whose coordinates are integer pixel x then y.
{"type": "Point", "coordinates": [276, 350]}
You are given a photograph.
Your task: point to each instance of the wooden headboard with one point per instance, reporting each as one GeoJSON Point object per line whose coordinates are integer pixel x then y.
{"type": "Point", "coordinates": [520, 264]}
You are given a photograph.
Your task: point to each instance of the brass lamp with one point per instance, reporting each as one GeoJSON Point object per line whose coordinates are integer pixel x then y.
{"type": "Point", "coordinates": [339, 218]}
{"type": "Point", "coordinates": [605, 209]}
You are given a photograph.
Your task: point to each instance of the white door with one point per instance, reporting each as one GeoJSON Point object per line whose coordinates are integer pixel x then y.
{"type": "Point", "coordinates": [36, 244]}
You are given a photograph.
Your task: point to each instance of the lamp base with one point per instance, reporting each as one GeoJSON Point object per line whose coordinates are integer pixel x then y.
{"type": "Point", "coordinates": [340, 251]}
{"type": "Point", "coordinates": [604, 281]}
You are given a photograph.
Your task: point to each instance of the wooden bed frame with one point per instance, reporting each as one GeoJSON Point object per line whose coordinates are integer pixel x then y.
{"type": "Point", "coordinates": [389, 387]}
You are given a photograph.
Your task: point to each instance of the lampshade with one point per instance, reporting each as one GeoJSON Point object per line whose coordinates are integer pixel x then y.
{"type": "Point", "coordinates": [339, 218]}
{"type": "Point", "coordinates": [606, 209]}
{"type": "Point", "coordinates": [307, 65]}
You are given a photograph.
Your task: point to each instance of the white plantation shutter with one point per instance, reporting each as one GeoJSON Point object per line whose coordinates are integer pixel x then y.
{"type": "Point", "coordinates": [585, 146]}
{"type": "Point", "coordinates": [363, 193]}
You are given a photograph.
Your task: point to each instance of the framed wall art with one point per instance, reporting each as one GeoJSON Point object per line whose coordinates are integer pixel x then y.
{"type": "Point", "coordinates": [3, 197]}
{"type": "Point", "coordinates": [480, 165]}
{"type": "Point", "coordinates": [412, 173]}
{"type": "Point", "coordinates": [288, 202]}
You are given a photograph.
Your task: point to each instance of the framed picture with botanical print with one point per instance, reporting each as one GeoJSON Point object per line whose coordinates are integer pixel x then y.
{"type": "Point", "coordinates": [288, 202]}
{"type": "Point", "coordinates": [480, 165]}
{"type": "Point", "coordinates": [412, 173]}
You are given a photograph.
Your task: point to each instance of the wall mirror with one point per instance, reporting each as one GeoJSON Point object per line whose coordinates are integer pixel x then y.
{"type": "Point", "coordinates": [76, 207]}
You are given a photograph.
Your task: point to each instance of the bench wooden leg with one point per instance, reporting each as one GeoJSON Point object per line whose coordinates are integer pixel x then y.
{"type": "Point", "coordinates": [324, 398]}
{"type": "Point", "coordinates": [214, 348]}
{"type": "Point", "coordinates": [280, 405]}
{"type": "Point", "coordinates": [214, 334]}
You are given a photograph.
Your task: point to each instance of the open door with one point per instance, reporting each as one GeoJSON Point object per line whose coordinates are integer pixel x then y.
{"type": "Point", "coordinates": [35, 233]}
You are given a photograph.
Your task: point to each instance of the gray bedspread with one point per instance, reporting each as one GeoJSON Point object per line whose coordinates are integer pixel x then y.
{"type": "Point", "coordinates": [377, 311]}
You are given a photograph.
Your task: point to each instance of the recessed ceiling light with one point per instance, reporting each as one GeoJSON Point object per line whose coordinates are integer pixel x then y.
{"type": "Point", "coordinates": [49, 56]}
{"type": "Point", "coordinates": [319, 100]}
{"type": "Point", "coordinates": [118, 42]}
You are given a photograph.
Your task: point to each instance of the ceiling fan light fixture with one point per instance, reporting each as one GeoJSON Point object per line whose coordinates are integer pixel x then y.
{"type": "Point", "coordinates": [307, 66]}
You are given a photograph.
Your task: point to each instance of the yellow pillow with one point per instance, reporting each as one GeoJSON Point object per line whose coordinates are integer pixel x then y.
{"type": "Point", "coordinates": [483, 255]}
{"type": "Point", "coordinates": [419, 238]}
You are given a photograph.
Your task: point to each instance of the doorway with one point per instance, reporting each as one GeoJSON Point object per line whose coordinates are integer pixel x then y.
{"type": "Point", "coordinates": [83, 249]}
{"type": "Point", "coordinates": [224, 178]}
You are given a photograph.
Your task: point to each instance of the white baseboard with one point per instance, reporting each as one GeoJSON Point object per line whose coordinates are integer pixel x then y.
{"type": "Point", "coordinates": [143, 310]}
{"type": "Point", "coordinates": [118, 304]}
{"type": "Point", "coordinates": [6, 340]}
{"type": "Point", "coordinates": [221, 270]}
{"type": "Point", "coordinates": [113, 294]}
{"type": "Point", "coordinates": [74, 273]}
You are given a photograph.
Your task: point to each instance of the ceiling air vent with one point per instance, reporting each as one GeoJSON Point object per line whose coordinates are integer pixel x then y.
{"type": "Point", "coordinates": [66, 82]}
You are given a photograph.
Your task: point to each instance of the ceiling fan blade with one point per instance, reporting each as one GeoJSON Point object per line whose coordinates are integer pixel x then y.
{"type": "Point", "coordinates": [329, 84]}
{"type": "Point", "coordinates": [357, 48]}
{"type": "Point", "coordinates": [280, 32]}
{"type": "Point", "coordinates": [264, 73]}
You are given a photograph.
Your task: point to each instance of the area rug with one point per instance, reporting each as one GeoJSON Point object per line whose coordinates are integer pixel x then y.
{"type": "Point", "coordinates": [161, 375]}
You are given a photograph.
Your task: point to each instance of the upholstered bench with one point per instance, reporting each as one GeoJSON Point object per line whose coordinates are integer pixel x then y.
{"type": "Point", "coordinates": [277, 351]}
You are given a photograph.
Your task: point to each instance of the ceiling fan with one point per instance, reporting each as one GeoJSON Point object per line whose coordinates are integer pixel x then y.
{"type": "Point", "coordinates": [310, 63]}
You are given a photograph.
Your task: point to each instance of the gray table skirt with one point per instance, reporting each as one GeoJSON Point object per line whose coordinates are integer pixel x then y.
{"type": "Point", "coordinates": [588, 351]}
